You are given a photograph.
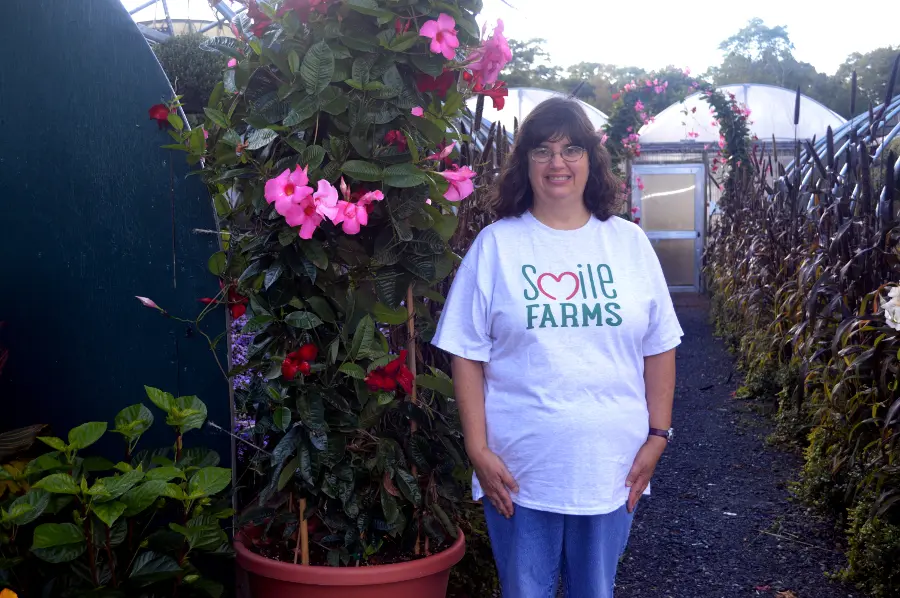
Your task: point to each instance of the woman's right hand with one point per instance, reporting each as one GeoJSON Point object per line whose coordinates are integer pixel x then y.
{"type": "Point", "coordinates": [495, 479]}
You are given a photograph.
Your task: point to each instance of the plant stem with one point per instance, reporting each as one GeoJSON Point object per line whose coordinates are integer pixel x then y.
{"type": "Point", "coordinates": [90, 547]}
{"type": "Point", "coordinates": [303, 534]}
{"type": "Point", "coordinates": [112, 565]}
{"type": "Point", "coordinates": [178, 447]}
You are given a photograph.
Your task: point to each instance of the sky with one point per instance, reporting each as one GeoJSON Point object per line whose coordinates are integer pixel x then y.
{"type": "Point", "coordinates": [655, 33]}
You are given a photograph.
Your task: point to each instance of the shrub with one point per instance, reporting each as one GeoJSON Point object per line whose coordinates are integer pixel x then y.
{"type": "Point", "coordinates": [192, 71]}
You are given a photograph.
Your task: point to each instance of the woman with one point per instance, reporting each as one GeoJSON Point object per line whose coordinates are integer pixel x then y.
{"type": "Point", "coordinates": [563, 334]}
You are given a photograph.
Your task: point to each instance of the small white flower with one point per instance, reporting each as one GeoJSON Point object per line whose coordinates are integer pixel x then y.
{"type": "Point", "coordinates": [891, 308]}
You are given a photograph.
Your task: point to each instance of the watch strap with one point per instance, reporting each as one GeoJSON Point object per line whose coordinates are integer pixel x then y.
{"type": "Point", "coordinates": [664, 433]}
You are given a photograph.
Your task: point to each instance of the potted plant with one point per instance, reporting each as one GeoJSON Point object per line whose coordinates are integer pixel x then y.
{"type": "Point", "coordinates": [334, 155]}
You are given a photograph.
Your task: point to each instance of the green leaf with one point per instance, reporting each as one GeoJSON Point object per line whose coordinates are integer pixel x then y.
{"type": "Point", "coordinates": [116, 486]}
{"type": "Point", "coordinates": [300, 111]}
{"type": "Point", "coordinates": [294, 61]}
{"type": "Point", "coordinates": [408, 486]}
{"type": "Point", "coordinates": [389, 507]}
{"type": "Point", "coordinates": [362, 170]}
{"type": "Point", "coordinates": [313, 156]}
{"type": "Point", "coordinates": [140, 497]}
{"type": "Point", "coordinates": [444, 224]}
{"type": "Point", "coordinates": [87, 434]}
{"type": "Point", "coordinates": [208, 481]}
{"type": "Point", "coordinates": [288, 472]}
{"type": "Point", "coordinates": [257, 324]}
{"type": "Point", "coordinates": [217, 263]}
{"type": "Point", "coordinates": [175, 121]}
{"type": "Point", "coordinates": [303, 319]}
{"type": "Point", "coordinates": [109, 512]}
{"type": "Point", "coordinates": [313, 250]}
{"type": "Point", "coordinates": [217, 116]}
{"type": "Point", "coordinates": [273, 273]}
{"type": "Point", "coordinates": [353, 370]}
{"type": "Point", "coordinates": [441, 385]}
{"type": "Point", "coordinates": [282, 418]}
{"type": "Point", "coordinates": [27, 508]}
{"type": "Point", "coordinates": [58, 483]}
{"type": "Point", "coordinates": [54, 443]}
{"type": "Point", "coordinates": [58, 542]}
{"type": "Point", "coordinates": [363, 338]}
{"type": "Point", "coordinates": [260, 138]}
{"type": "Point", "coordinates": [322, 308]}
{"type": "Point", "coordinates": [445, 521]}
{"type": "Point", "coordinates": [150, 568]}
{"type": "Point", "coordinates": [403, 42]}
{"type": "Point", "coordinates": [404, 175]}
{"type": "Point", "coordinates": [188, 413]}
{"type": "Point", "coordinates": [164, 473]}
{"type": "Point", "coordinates": [429, 64]}
{"type": "Point", "coordinates": [317, 68]}
{"type": "Point", "coordinates": [133, 421]}
{"type": "Point", "coordinates": [386, 315]}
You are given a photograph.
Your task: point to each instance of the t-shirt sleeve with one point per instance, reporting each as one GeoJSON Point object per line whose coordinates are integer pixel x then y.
{"type": "Point", "coordinates": [462, 328]}
{"type": "Point", "coordinates": [664, 331]}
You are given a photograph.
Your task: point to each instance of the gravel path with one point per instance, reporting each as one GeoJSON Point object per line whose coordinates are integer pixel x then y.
{"type": "Point", "coordinates": [717, 491]}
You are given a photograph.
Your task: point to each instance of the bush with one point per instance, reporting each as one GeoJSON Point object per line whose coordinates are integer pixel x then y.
{"type": "Point", "coordinates": [192, 71]}
{"type": "Point", "coordinates": [874, 551]}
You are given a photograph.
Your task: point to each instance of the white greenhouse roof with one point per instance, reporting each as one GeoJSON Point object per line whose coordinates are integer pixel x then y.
{"type": "Point", "coordinates": [771, 114]}
{"type": "Point", "coordinates": [522, 100]}
{"type": "Point", "coordinates": [198, 11]}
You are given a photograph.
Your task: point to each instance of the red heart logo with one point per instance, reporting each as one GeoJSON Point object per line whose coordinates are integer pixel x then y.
{"type": "Point", "coordinates": [558, 279]}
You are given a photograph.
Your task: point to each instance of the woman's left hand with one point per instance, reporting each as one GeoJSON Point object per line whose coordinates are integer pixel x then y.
{"type": "Point", "coordinates": [642, 470]}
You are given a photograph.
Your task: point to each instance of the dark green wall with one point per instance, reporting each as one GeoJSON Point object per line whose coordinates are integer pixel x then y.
{"type": "Point", "coordinates": [93, 212]}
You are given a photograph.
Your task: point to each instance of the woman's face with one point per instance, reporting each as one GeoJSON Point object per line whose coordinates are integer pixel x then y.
{"type": "Point", "coordinates": [558, 170]}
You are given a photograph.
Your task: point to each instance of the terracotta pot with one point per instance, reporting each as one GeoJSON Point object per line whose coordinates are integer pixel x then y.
{"type": "Point", "coordinates": [422, 578]}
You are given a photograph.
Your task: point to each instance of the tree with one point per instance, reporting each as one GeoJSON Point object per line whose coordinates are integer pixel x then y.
{"type": "Point", "coordinates": [530, 65]}
{"type": "Point", "coordinates": [873, 71]}
{"type": "Point", "coordinates": [756, 41]}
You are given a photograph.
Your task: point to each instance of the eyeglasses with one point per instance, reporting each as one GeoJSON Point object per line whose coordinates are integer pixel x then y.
{"type": "Point", "coordinates": [570, 153]}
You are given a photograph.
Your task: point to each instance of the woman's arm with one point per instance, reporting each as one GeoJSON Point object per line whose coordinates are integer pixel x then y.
{"type": "Point", "coordinates": [659, 384]}
{"type": "Point", "coordinates": [494, 477]}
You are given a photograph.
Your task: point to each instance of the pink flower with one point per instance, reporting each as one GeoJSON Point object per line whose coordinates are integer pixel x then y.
{"type": "Point", "coordinates": [640, 183]}
{"type": "Point", "coordinates": [417, 111]}
{"type": "Point", "coordinates": [232, 63]}
{"type": "Point", "coordinates": [351, 216]}
{"type": "Point", "coordinates": [721, 141]}
{"type": "Point", "coordinates": [461, 185]}
{"type": "Point", "coordinates": [304, 215]}
{"type": "Point", "coordinates": [686, 71]}
{"type": "Point", "coordinates": [444, 152]}
{"type": "Point", "coordinates": [489, 59]}
{"type": "Point", "coordinates": [287, 189]}
{"type": "Point", "coordinates": [370, 197]}
{"type": "Point", "coordinates": [148, 303]}
{"type": "Point", "coordinates": [443, 35]}
{"type": "Point", "coordinates": [326, 199]}
{"type": "Point", "coordinates": [638, 106]}
{"type": "Point", "coordinates": [603, 139]}
{"type": "Point", "coordinates": [693, 134]}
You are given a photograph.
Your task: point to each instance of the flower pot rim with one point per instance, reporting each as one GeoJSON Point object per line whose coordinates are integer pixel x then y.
{"type": "Point", "coordinates": [349, 576]}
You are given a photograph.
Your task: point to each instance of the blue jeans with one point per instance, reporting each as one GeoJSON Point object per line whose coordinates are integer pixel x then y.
{"type": "Point", "coordinates": [532, 547]}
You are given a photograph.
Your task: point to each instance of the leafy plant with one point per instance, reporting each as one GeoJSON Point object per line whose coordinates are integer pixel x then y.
{"type": "Point", "coordinates": [192, 72]}
{"type": "Point", "coordinates": [799, 267]}
{"type": "Point", "coordinates": [335, 158]}
{"type": "Point", "coordinates": [86, 525]}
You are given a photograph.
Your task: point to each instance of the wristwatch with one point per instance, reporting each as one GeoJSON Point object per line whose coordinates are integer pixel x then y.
{"type": "Point", "coordinates": [667, 434]}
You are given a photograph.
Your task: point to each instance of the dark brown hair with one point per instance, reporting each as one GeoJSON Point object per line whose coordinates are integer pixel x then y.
{"type": "Point", "coordinates": [551, 120]}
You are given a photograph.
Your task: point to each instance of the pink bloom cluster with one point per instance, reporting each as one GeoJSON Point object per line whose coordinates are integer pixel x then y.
{"type": "Point", "coordinates": [489, 59]}
{"type": "Point", "coordinates": [461, 185]}
{"type": "Point", "coordinates": [302, 206]}
{"type": "Point", "coordinates": [657, 86]}
{"type": "Point", "coordinates": [632, 143]}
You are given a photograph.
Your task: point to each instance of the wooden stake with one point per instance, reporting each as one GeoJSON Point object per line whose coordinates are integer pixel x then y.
{"type": "Point", "coordinates": [411, 364]}
{"type": "Point", "coordinates": [304, 533]}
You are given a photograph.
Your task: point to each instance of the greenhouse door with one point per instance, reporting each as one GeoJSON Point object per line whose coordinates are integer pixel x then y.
{"type": "Point", "coordinates": [671, 209]}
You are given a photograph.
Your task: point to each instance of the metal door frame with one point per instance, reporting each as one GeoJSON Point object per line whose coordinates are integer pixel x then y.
{"type": "Point", "coordinates": [697, 234]}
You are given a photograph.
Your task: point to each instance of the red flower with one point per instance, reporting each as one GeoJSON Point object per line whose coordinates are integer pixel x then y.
{"type": "Point", "coordinates": [160, 113]}
{"type": "Point", "coordinates": [307, 352]}
{"type": "Point", "coordinates": [497, 92]}
{"type": "Point", "coordinates": [437, 85]}
{"type": "Point", "coordinates": [298, 361]}
{"type": "Point", "coordinates": [388, 377]}
{"type": "Point", "coordinates": [400, 28]}
{"type": "Point", "coordinates": [260, 20]}
{"type": "Point", "coordinates": [616, 96]}
{"type": "Point", "coordinates": [397, 139]}
{"type": "Point", "coordinates": [237, 303]}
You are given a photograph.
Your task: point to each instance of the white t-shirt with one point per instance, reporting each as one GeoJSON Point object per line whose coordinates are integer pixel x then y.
{"type": "Point", "coordinates": [562, 321]}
